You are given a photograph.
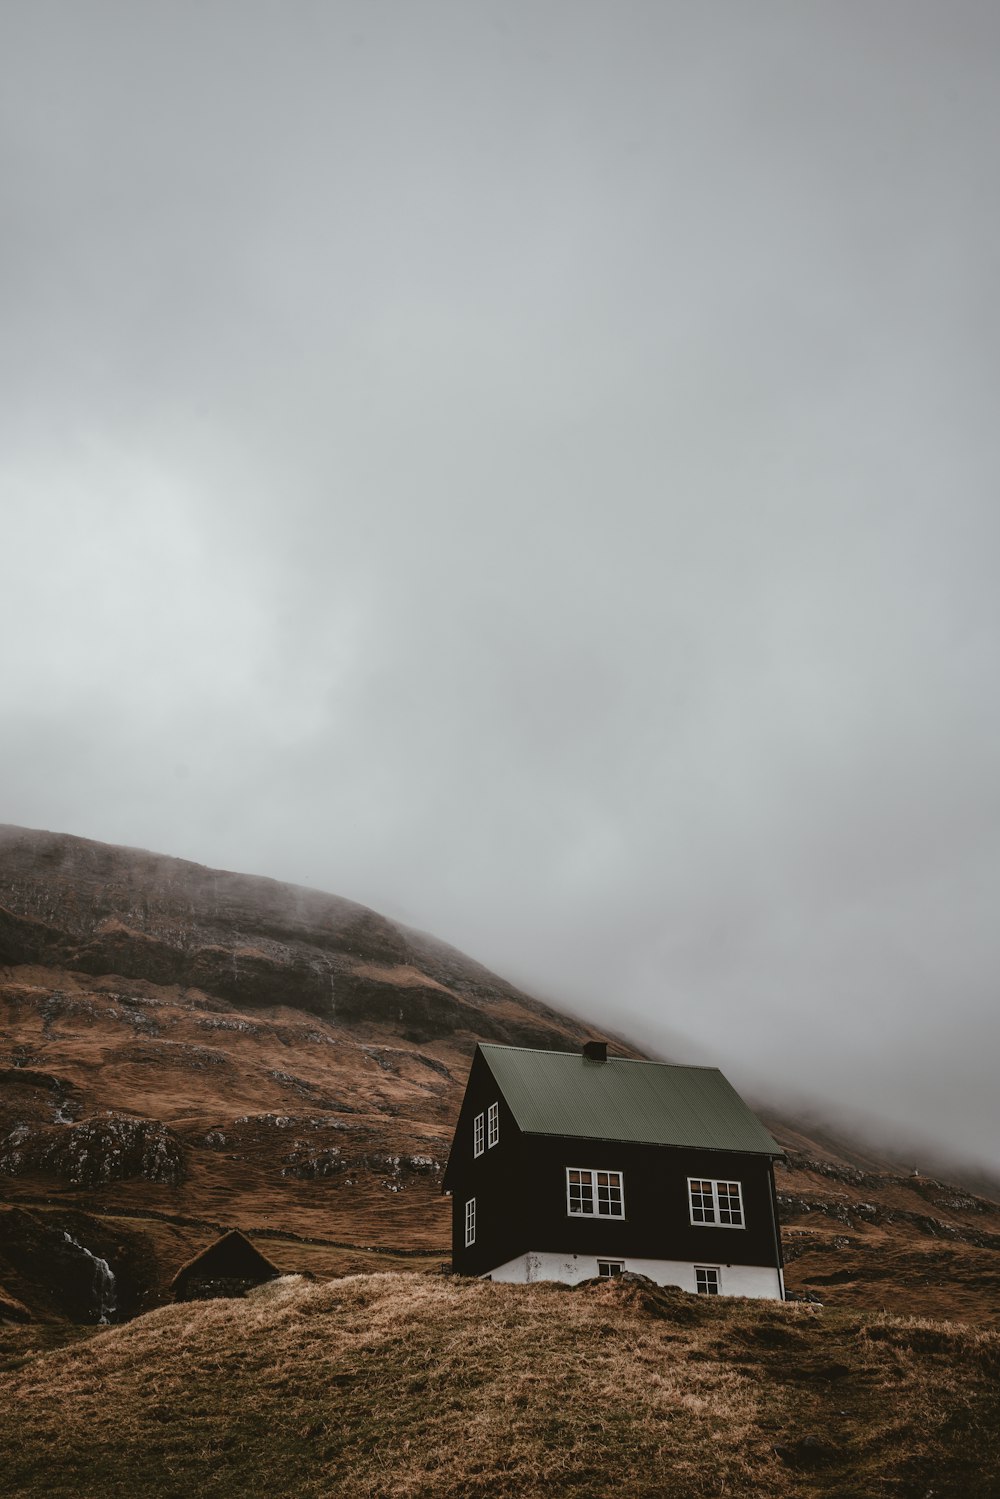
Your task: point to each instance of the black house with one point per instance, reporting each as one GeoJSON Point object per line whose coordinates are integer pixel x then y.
{"type": "Point", "coordinates": [566, 1166]}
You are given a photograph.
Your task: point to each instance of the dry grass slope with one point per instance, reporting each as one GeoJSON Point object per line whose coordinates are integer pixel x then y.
{"type": "Point", "coordinates": [407, 1385]}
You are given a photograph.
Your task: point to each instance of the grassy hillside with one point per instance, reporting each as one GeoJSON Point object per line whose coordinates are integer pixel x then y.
{"type": "Point", "coordinates": [410, 1385]}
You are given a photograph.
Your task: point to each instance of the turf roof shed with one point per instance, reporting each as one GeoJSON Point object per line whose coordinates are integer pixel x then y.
{"type": "Point", "coordinates": [230, 1266]}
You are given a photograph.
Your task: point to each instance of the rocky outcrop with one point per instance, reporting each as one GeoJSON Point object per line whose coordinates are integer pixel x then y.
{"type": "Point", "coordinates": [792, 1208]}
{"type": "Point", "coordinates": [110, 1148]}
{"type": "Point", "coordinates": [310, 1160]}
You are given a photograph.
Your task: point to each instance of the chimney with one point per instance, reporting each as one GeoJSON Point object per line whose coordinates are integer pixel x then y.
{"type": "Point", "coordinates": [595, 1051]}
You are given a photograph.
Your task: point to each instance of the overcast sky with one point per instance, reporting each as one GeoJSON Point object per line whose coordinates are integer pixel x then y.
{"type": "Point", "coordinates": [531, 468]}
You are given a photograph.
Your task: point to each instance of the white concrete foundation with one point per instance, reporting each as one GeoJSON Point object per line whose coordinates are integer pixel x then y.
{"type": "Point", "coordinates": [734, 1280]}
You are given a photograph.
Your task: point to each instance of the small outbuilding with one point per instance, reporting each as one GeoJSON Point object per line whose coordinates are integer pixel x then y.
{"type": "Point", "coordinates": [231, 1266]}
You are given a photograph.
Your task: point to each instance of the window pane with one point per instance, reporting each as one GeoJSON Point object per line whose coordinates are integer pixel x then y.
{"type": "Point", "coordinates": [702, 1202]}
{"type": "Point", "coordinates": [609, 1193]}
{"type": "Point", "coordinates": [730, 1208]}
{"type": "Point", "coordinates": [581, 1194]}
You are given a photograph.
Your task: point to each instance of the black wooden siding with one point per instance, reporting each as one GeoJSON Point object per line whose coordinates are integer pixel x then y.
{"type": "Point", "coordinates": [492, 1178]}
{"type": "Point", "coordinates": [520, 1191]}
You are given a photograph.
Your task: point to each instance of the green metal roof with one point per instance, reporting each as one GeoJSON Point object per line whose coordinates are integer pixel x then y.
{"type": "Point", "coordinates": [564, 1093]}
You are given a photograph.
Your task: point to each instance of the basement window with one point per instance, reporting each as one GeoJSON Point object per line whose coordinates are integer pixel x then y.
{"type": "Point", "coordinates": [493, 1134]}
{"type": "Point", "coordinates": [607, 1268]}
{"type": "Point", "coordinates": [470, 1222]}
{"type": "Point", "coordinates": [717, 1203]}
{"type": "Point", "coordinates": [706, 1280]}
{"type": "Point", "coordinates": [594, 1194]}
{"type": "Point", "coordinates": [478, 1134]}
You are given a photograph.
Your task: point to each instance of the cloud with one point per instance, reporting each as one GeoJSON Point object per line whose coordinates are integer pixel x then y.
{"type": "Point", "coordinates": [531, 469]}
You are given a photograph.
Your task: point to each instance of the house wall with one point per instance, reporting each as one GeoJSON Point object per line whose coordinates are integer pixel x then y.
{"type": "Point", "coordinates": [494, 1179]}
{"type": "Point", "coordinates": [657, 1213]}
{"type": "Point", "coordinates": [734, 1280]}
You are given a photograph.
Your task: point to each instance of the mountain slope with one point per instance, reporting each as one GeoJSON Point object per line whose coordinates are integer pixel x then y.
{"type": "Point", "coordinates": [97, 909]}
{"type": "Point", "coordinates": [183, 1049]}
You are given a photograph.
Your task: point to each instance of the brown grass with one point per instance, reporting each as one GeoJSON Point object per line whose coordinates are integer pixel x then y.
{"type": "Point", "coordinates": [401, 1386]}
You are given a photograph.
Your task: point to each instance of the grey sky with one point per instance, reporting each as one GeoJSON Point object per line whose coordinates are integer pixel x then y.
{"type": "Point", "coordinates": [531, 468]}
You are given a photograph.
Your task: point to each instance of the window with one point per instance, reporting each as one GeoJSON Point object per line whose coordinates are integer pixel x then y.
{"type": "Point", "coordinates": [594, 1194]}
{"type": "Point", "coordinates": [494, 1125]}
{"type": "Point", "coordinates": [607, 1268]}
{"type": "Point", "coordinates": [718, 1203]}
{"type": "Point", "coordinates": [706, 1280]}
{"type": "Point", "coordinates": [477, 1135]}
{"type": "Point", "coordinates": [470, 1222]}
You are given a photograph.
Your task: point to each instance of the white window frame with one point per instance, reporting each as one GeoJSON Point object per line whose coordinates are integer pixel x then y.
{"type": "Point", "coordinates": [706, 1270]}
{"type": "Point", "coordinates": [470, 1222]}
{"type": "Point", "coordinates": [479, 1134]}
{"type": "Point", "coordinates": [595, 1211]}
{"type": "Point", "coordinates": [716, 1220]}
{"type": "Point", "coordinates": [493, 1126]}
{"type": "Point", "coordinates": [610, 1274]}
